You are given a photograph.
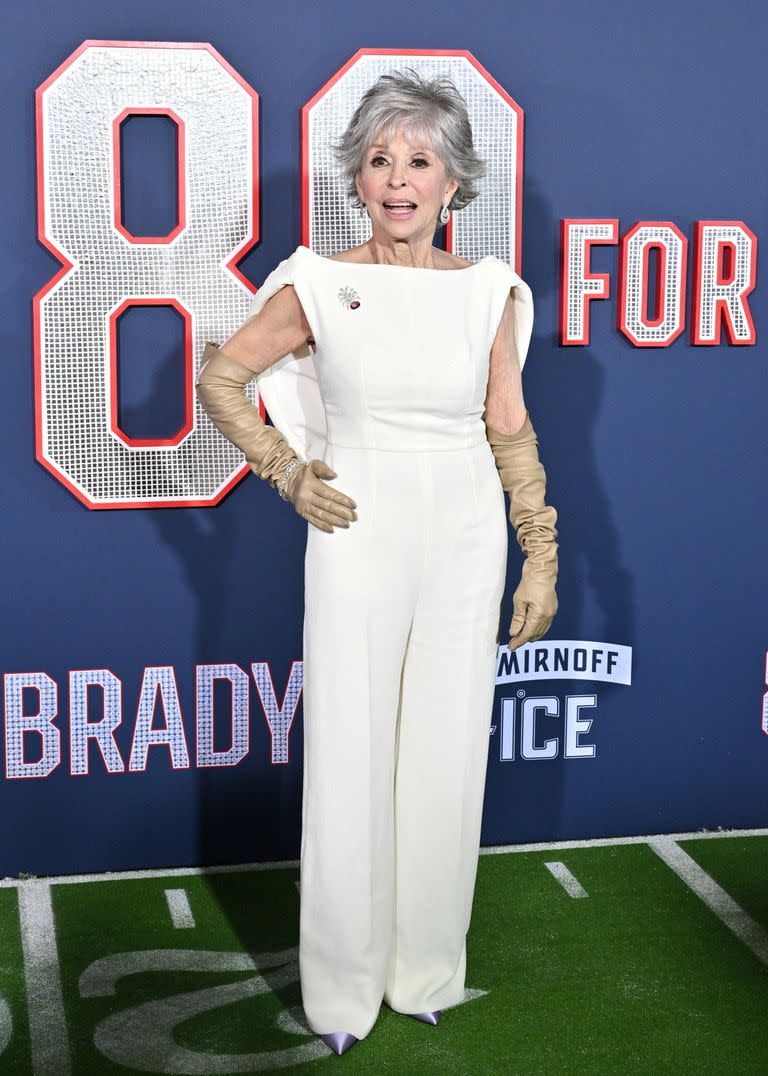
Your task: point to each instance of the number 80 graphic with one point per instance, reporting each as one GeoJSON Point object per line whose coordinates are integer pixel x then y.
{"type": "Point", "coordinates": [106, 270]}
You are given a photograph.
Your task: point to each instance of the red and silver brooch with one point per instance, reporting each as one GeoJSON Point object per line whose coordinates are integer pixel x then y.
{"type": "Point", "coordinates": [348, 297]}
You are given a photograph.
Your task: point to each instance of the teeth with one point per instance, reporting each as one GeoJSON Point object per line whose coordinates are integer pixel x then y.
{"type": "Point", "coordinates": [400, 205]}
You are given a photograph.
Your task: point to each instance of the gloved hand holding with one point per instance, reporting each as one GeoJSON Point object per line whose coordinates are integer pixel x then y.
{"type": "Point", "coordinates": [220, 385]}
{"type": "Point", "coordinates": [524, 479]}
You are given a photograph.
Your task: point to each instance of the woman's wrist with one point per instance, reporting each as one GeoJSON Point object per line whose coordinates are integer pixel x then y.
{"type": "Point", "coordinates": [288, 477]}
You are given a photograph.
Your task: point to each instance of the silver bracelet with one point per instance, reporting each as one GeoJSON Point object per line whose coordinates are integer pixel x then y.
{"type": "Point", "coordinates": [289, 469]}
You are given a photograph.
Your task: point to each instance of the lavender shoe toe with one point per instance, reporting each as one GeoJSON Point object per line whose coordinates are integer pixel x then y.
{"type": "Point", "coordinates": [427, 1017]}
{"type": "Point", "coordinates": [339, 1041]}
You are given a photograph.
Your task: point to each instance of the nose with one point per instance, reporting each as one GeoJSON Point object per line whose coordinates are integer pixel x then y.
{"type": "Point", "coordinates": [395, 178]}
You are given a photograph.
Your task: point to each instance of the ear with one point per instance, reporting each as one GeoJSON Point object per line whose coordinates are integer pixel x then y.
{"type": "Point", "coordinates": [453, 186]}
{"type": "Point", "coordinates": [359, 191]}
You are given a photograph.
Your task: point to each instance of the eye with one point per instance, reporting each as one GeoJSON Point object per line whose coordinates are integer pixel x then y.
{"type": "Point", "coordinates": [416, 160]}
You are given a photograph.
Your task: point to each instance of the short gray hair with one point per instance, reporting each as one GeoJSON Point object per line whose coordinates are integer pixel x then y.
{"type": "Point", "coordinates": [430, 110]}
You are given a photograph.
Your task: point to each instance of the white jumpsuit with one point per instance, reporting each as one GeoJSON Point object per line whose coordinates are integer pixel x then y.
{"type": "Point", "coordinates": [401, 625]}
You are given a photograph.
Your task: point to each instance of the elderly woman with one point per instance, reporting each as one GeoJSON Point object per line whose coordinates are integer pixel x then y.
{"type": "Point", "coordinates": [418, 356]}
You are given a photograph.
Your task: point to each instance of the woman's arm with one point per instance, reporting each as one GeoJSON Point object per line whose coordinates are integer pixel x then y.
{"type": "Point", "coordinates": [515, 450]}
{"type": "Point", "coordinates": [280, 327]}
{"type": "Point", "coordinates": [505, 409]}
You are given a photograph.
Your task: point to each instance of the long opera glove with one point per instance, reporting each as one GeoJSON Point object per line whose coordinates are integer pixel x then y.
{"type": "Point", "coordinates": [220, 385]}
{"type": "Point", "coordinates": [524, 479]}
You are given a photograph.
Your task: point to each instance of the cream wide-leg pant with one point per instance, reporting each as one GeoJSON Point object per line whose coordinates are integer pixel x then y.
{"type": "Point", "coordinates": [400, 642]}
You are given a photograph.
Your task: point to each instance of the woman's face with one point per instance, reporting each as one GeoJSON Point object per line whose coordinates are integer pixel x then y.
{"type": "Point", "coordinates": [403, 171]}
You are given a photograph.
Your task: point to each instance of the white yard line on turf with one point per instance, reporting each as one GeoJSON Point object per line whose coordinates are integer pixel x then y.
{"type": "Point", "coordinates": [602, 842]}
{"type": "Point", "coordinates": [178, 905]}
{"type": "Point", "coordinates": [6, 1024]}
{"type": "Point", "coordinates": [490, 850]}
{"type": "Point", "coordinates": [568, 881]}
{"type": "Point", "coordinates": [714, 896]}
{"type": "Point", "coordinates": [45, 1005]}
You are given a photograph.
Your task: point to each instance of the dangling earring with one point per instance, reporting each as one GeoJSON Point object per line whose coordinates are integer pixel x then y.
{"type": "Point", "coordinates": [445, 215]}
{"type": "Point", "coordinates": [364, 210]}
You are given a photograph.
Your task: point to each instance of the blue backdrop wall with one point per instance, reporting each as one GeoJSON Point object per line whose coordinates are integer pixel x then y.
{"type": "Point", "coordinates": [655, 457]}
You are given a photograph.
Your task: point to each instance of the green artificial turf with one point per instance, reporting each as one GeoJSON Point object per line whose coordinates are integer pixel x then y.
{"type": "Point", "coordinates": [14, 1028]}
{"type": "Point", "coordinates": [639, 976]}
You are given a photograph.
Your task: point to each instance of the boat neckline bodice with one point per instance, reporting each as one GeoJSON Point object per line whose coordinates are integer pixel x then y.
{"type": "Point", "coordinates": [389, 265]}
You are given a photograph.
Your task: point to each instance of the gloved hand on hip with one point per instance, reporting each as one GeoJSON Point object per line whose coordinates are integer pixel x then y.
{"type": "Point", "coordinates": [220, 385]}
{"type": "Point", "coordinates": [319, 503]}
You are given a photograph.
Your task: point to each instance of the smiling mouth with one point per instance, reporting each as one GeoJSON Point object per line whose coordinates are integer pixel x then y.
{"type": "Point", "coordinates": [399, 205]}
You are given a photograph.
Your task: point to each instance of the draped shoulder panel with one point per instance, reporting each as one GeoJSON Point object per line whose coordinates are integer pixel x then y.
{"type": "Point", "coordinates": [505, 279]}
{"type": "Point", "coordinates": [289, 387]}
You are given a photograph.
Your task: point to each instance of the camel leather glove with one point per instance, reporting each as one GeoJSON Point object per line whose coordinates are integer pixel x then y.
{"type": "Point", "coordinates": [524, 479]}
{"type": "Point", "coordinates": [220, 385]}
